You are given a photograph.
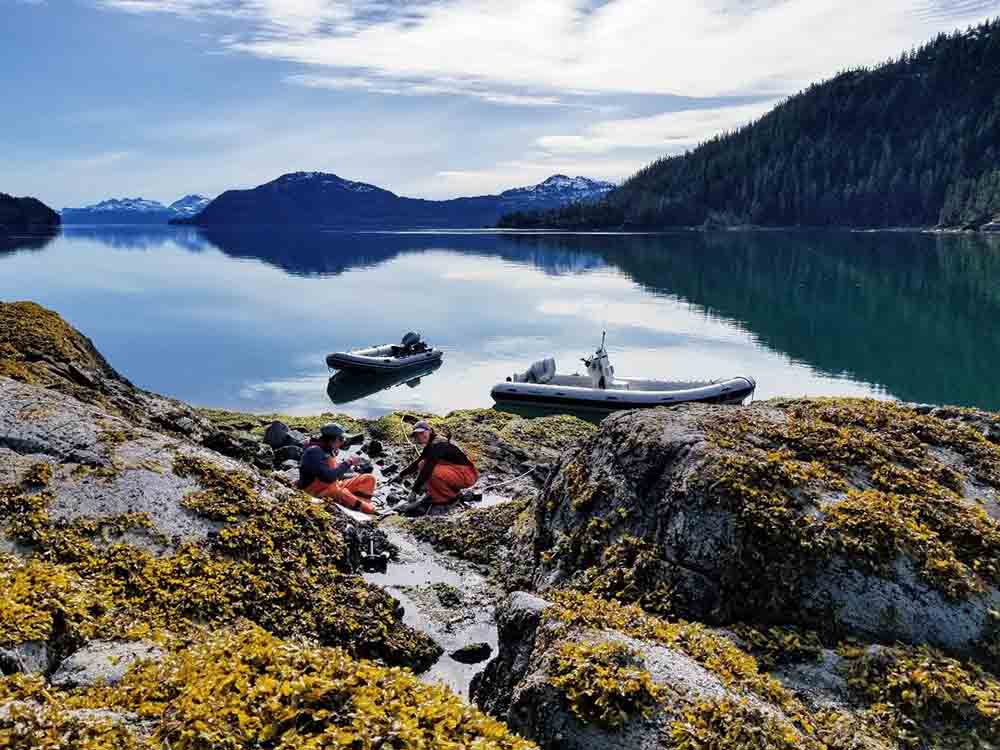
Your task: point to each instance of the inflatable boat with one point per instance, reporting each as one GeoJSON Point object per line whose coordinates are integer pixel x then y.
{"type": "Point", "coordinates": [600, 390]}
{"type": "Point", "coordinates": [410, 353]}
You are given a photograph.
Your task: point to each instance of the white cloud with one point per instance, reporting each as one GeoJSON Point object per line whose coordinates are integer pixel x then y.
{"type": "Point", "coordinates": [418, 88]}
{"type": "Point", "coordinates": [669, 132]}
{"type": "Point", "coordinates": [97, 161]}
{"type": "Point", "coordinates": [691, 47]}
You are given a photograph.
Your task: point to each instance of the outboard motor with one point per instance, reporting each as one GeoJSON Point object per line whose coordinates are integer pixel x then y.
{"type": "Point", "coordinates": [411, 343]}
{"type": "Point", "coordinates": [602, 374]}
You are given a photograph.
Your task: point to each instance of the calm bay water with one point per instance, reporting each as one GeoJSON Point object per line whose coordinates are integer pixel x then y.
{"type": "Point", "coordinates": [244, 320]}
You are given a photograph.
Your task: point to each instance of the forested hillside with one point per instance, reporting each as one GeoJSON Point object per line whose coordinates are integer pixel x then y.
{"type": "Point", "coordinates": [913, 142]}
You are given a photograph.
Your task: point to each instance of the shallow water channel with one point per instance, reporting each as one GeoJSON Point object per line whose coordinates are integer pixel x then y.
{"type": "Point", "coordinates": [446, 598]}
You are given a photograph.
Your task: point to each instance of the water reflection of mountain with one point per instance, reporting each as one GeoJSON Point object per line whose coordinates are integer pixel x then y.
{"type": "Point", "coordinates": [11, 243]}
{"type": "Point", "coordinates": [138, 236]}
{"type": "Point", "coordinates": [883, 308]}
{"type": "Point", "coordinates": [310, 253]}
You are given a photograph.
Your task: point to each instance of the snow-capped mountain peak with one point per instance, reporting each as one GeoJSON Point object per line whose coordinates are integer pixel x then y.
{"type": "Point", "coordinates": [127, 204]}
{"type": "Point", "coordinates": [326, 179]}
{"type": "Point", "coordinates": [561, 187]}
{"type": "Point", "coordinates": [189, 205]}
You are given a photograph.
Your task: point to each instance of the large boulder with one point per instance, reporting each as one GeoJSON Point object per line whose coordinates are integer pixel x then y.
{"type": "Point", "coordinates": [578, 673]}
{"type": "Point", "coordinates": [854, 517]}
{"type": "Point", "coordinates": [39, 348]}
{"type": "Point", "coordinates": [110, 528]}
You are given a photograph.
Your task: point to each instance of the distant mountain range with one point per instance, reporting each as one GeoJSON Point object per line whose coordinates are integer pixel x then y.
{"type": "Point", "coordinates": [911, 143]}
{"type": "Point", "coordinates": [318, 199]}
{"type": "Point", "coordinates": [25, 215]}
{"type": "Point", "coordinates": [135, 211]}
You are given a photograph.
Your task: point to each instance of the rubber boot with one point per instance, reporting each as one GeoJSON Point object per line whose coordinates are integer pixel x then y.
{"type": "Point", "coordinates": [417, 507]}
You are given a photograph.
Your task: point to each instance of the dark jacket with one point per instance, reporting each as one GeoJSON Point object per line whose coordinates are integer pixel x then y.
{"type": "Point", "coordinates": [438, 450]}
{"type": "Point", "coordinates": [315, 464]}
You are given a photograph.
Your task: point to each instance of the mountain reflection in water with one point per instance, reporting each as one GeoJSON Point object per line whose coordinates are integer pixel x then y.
{"type": "Point", "coordinates": [197, 315]}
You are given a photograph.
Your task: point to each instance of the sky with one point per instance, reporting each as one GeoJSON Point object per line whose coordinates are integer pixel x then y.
{"type": "Point", "coordinates": [428, 98]}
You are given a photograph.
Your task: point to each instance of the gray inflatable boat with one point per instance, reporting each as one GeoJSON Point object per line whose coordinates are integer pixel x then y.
{"type": "Point", "coordinates": [410, 353]}
{"type": "Point", "coordinates": [600, 390]}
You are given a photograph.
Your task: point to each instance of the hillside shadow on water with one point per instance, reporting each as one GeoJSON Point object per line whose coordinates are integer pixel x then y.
{"type": "Point", "coordinates": [915, 313]}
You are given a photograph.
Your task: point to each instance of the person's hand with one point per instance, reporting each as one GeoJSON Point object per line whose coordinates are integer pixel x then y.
{"type": "Point", "coordinates": [354, 460]}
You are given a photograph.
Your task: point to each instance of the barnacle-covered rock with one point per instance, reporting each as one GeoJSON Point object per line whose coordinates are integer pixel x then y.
{"type": "Point", "coordinates": [855, 517]}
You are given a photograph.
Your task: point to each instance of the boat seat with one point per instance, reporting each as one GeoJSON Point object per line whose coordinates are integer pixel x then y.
{"type": "Point", "coordinates": [541, 371]}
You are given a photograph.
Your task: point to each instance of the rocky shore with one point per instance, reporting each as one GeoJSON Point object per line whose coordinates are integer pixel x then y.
{"type": "Point", "coordinates": [796, 574]}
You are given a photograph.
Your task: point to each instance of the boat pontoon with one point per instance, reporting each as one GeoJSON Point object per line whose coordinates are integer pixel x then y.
{"type": "Point", "coordinates": [410, 353]}
{"type": "Point", "coordinates": [599, 389]}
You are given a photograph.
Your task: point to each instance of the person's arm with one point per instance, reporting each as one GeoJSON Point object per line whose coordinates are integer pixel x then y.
{"type": "Point", "coordinates": [411, 468]}
{"type": "Point", "coordinates": [315, 462]}
{"type": "Point", "coordinates": [425, 473]}
{"type": "Point", "coordinates": [431, 456]}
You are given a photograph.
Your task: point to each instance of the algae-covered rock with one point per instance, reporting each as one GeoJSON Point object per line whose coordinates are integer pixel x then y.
{"type": "Point", "coordinates": [38, 347]}
{"type": "Point", "coordinates": [486, 536]}
{"type": "Point", "coordinates": [245, 688]}
{"type": "Point", "coordinates": [112, 529]}
{"type": "Point", "coordinates": [578, 672]}
{"type": "Point", "coordinates": [851, 516]}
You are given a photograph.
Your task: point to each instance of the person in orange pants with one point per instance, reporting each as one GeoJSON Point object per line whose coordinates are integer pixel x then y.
{"type": "Point", "coordinates": [321, 476]}
{"type": "Point", "coordinates": [443, 470]}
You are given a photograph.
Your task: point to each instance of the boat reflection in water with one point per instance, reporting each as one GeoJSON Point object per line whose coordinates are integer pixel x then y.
{"type": "Point", "coordinates": [347, 386]}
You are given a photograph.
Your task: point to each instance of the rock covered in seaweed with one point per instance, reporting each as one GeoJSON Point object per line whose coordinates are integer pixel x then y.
{"type": "Point", "coordinates": [579, 672]}
{"type": "Point", "coordinates": [110, 528]}
{"type": "Point", "coordinates": [245, 688]}
{"type": "Point", "coordinates": [859, 517]}
{"type": "Point", "coordinates": [39, 348]}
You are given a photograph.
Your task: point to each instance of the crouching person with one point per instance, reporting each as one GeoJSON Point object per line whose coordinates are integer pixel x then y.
{"type": "Point", "coordinates": [322, 476]}
{"type": "Point", "coordinates": [443, 470]}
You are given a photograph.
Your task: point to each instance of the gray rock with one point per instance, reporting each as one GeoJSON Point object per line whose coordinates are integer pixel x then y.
{"type": "Point", "coordinates": [135, 469]}
{"type": "Point", "coordinates": [374, 449]}
{"type": "Point", "coordinates": [289, 466]}
{"type": "Point", "coordinates": [103, 662]}
{"type": "Point", "coordinates": [276, 434]}
{"type": "Point", "coordinates": [820, 683]}
{"type": "Point", "coordinates": [644, 479]}
{"type": "Point", "coordinates": [36, 420]}
{"type": "Point", "coordinates": [516, 687]}
{"type": "Point", "coordinates": [31, 657]}
{"type": "Point", "coordinates": [288, 453]}
{"type": "Point", "coordinates": [296, 437]}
